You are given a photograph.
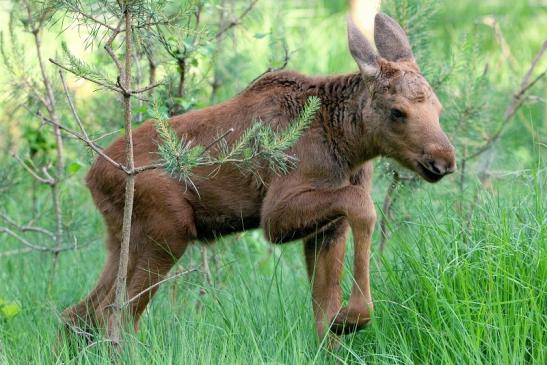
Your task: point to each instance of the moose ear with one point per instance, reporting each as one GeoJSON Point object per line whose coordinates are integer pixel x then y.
{"type": "Point", "coordinates": [391, 39]}
{"type": "Point", "coordinates": [361, 50]}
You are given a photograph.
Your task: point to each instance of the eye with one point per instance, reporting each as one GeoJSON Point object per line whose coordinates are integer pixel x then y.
{"type": "Point", "coordinates": [397, 115]}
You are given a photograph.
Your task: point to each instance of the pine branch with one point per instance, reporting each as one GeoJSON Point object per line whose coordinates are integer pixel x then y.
{"type": "Point", "coordinates": [81, 69]}
{"type": "Point", "coordinates": [259, 146]}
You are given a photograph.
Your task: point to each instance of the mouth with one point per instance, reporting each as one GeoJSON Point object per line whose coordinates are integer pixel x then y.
{"type": "Point", "coordinates": [426, 173]}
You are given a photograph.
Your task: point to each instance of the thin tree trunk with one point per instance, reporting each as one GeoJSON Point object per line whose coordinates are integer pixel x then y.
{"type": "Point", "coordinates": [60, 165]}
{"type": "Point", "coordinates": [177, 109]}
{"type": "Point", "coordinates": [182, 76]}
{"type": "Point", "coordinates": [152, 70]}
{"type": "Point", "coordinates": [121, 279]}
{"type": "Point", "coordinates": [215, 85]}
{"type": "Point", "coordinates": [138, 80]}
{"type": "Point", "coordinates": [51, 101]}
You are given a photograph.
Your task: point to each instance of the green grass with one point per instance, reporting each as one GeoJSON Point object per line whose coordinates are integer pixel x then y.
{"type": "Point", "coordinates": [454, 287]}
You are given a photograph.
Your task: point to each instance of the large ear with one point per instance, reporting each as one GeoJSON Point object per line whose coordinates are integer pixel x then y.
{"type": "Point", "coordinates": [390, 39]}
{"type": "Point", "coordinates": [361, 50]}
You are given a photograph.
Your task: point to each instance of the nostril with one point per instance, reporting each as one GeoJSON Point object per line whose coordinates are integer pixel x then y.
{"type": "Point", "coordinates": [433, 166]}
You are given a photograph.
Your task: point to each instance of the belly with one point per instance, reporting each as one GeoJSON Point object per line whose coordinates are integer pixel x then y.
{"type": "Point", "coordinates": [212, 226]}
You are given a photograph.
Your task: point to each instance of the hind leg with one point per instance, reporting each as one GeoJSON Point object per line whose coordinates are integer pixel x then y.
{"type": "Point", "coordinates": [151, 268]}
{"type": "Point", "coordinates": [154, 259]}
{"type": "Point", "coordinates": [81, 316]}
{"type": "Point", "coordinates": [159, 237]}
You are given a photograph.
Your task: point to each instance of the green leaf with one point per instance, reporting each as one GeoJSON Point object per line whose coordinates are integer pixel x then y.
{"type": "Point", "coordinates": [73, 167]}
{"type": "Point", "coordinates": [9, 309]}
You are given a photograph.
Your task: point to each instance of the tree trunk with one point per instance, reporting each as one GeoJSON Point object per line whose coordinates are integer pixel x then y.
{"type": "Point", "coordinates": [60, 165]}
{"type": "Point", "coordinates": [121, 279]}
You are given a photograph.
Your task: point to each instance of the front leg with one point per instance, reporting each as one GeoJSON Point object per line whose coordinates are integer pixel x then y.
{"type": "Point", "coordinates": [324, 252]}
{"type": "Point", "coordinates": [298, 212]}
{"type": "Point", "coordinates": [359, 309]}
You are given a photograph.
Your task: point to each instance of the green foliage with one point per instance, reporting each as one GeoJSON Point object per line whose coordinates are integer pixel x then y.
{"type": "Point", "coordinates": [73, 167]}
{"type": "Point", "coordinates": [23, 86]}
{"type": "Point", "coordinates": [12, 52]}
{"type": "Point", "coordinates": [469, 117]}
{"type": "Point", "coordinates": [177, 155]}
{"type": "Point", "coordinates": [259, 146]}
{"type": "Point", "coordinates": [415, 18]}
{"type": "Point", "coordinates": [82, 69]}
{"type": "Point", "coordinates": [40, 143]}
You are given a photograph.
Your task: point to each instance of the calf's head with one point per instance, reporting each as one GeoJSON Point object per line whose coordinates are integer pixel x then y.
{"type": "Point", "coordinates": [399, 109]}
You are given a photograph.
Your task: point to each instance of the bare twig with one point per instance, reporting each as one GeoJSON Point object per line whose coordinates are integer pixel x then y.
{"type": "Point", "coordinates": [217, 140]}
{"type": "Point", "coordinates": [87, 141]}
{"type": "Point", "coordinates": [33, 173]}
{"type": "Point", "coordinates": [33, 247]}
{"type": "Point", "coordinates": [146, 88]}
{"type": "Point", "coordinates": [171, 277]}
{"type": "Point", "coordinates": [237, 20]}
{"type": "Point", "coordinates": [286, 59]}
{"type": "Point", "coordinates": [104, 135]}
{"type": "Point", "coordinates": [16, 252]}
{"type": "Point", "coordinates": [108, 48]}
{"type": "Point", "coordinates": [516, 102]}
{"type": "Point", "coordinates": [78, 10]}
{"type": "Point", "coordinates": [24, 241]}
{"type": "Point", "coordinates": [138, 170]}
{"type": "Point", "coordinates": [30, 86]}
{"type": "Point", "coordinates": [100, 83]}
{"type": "Point", "coordinates": [26, 228]}
{"type": "Point", "coordinates": [72, 108]}
{"type": "Point", "coordinates": [506, 54]}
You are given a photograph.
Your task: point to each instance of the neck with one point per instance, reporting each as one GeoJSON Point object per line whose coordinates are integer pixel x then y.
{"type": "Point", "coordinates": [347, 135]}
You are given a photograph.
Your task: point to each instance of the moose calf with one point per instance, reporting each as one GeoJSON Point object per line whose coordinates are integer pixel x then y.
{"type": "Point", "coordinates": [386, 109]}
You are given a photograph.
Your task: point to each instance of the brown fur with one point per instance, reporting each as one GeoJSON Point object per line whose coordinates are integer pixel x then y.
{"type": "Point", "coordinates": [327, 193]}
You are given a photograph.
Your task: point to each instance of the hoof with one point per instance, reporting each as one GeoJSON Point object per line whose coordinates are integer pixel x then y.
{"type": "Point", "coordinates": [349, 320]}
